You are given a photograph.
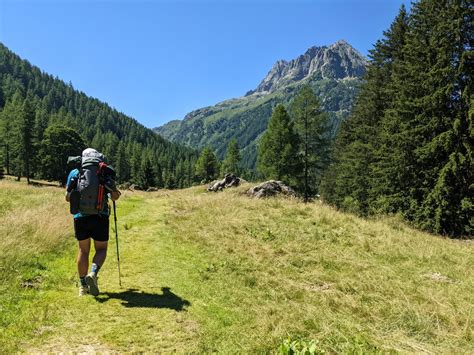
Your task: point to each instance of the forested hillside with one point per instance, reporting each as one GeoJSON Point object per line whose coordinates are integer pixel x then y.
{"type": "Point", "coordinates": [408, 145]}
{"type": "Point", "coordinates": [334, 73]}
{"type": "Point", "coordinates": [43, 120]}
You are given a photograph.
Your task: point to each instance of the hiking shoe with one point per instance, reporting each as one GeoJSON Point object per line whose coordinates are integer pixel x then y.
{"type": "Point", "coordinates": [91, 281]}
{"type": "Point", "coordinates": [83, 290]}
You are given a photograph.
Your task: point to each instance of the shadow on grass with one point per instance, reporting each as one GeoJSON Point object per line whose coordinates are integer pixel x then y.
{"type": "Point", "coordinates": [135, 298]}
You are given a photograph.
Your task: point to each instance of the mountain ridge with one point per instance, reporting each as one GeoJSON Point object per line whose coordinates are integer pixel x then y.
{"type": "Point", "coordinates": [315, 59]}
{"type": "Point", "coordinates": [334, 72]}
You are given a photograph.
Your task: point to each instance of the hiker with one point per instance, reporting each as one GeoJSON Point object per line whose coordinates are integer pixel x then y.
{"type": "Point", "coordinates": [88, 189]}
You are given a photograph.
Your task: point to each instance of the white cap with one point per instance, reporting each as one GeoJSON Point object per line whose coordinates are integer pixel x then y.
{"type": "Point", "coordinates": [92, 153]}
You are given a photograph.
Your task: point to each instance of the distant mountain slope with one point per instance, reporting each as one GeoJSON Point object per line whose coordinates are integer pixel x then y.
{"type": "Point", "coordinates": [334, 72]}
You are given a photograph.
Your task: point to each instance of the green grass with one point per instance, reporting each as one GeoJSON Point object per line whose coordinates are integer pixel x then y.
{"type": "Point", "coordinates": [221, 272]}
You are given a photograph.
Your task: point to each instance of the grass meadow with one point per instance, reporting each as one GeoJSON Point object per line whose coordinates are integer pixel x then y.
{"type": "Point", "coordinates": [221, 272]}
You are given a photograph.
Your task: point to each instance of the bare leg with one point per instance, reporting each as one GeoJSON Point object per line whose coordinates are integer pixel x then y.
{"type": "Point", "coordinates": [83, 257]}
{"type": "Point", "coordinates": [100, 253]}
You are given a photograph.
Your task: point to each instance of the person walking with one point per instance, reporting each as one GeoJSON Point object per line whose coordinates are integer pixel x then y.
{"type": "Point", "coordinates": [88, 191]}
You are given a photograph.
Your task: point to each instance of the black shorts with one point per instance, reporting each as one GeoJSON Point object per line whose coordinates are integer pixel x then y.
{"type": "Point", "coordinates": [95, 227]}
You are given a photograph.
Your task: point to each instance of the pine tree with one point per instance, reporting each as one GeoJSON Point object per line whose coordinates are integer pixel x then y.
{"type": "Point", "coordinates": [26, 133]}
{"type": "Point", "coordinates": [9, 118]}
{"type": "Point", "coordinates": [312, 127]}
{"type": "Point", "coordinates": [146, 177]}
{"type": "Point", "coordinates": [231, 163]}
{"type": "Point", "coordinates": [135, 162]}
{"type": "Point", "coordinates": [58, 144]}
{"type": "Point", "coordinates": [430, 122]}
{"type": "Point", "coordinates": [23, 138]}
{"type": "Point", "coordinates": [170, 180]}
{"type": "Point", "coordinates": [407, 146]}
{"type": "Point", "coordinates": [353, 181]}
{"type": "Point", "coordinates": [191, 175]}
{"type": "Point", "coordinates": [278, 148]}
{"type": "Point", "coordinates": [2, 98]}
{"type": "Point", "coordinates": [40, 125]}
{"type": "Point", "coordinates": [122, 165]}
{"type": "Point", "coordinates": [207, 166]}
{"type": "Point", "coordinates": [158, 175]}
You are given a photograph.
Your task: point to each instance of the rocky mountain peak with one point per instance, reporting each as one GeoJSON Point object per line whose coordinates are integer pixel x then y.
{"type": "Point", "coordinates": [337, 61]}
{"type": "Point", "coordinates": [341, 42]}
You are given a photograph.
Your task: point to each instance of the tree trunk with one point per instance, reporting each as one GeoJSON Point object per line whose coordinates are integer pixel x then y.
{"type": "Point", "coordinates": [8, 160]}
{"type": "Point", "coordinates": [306, 159]}
{"type": "Point", "coordinates": [27, 170]}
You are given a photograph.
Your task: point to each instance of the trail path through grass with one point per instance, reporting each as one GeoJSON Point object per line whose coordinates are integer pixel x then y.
{"type": "Point", "coordinates": [149, 311]}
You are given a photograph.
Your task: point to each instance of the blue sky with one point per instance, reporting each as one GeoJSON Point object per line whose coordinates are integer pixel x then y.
{"type": "Point", "coordinates": [158, 60]}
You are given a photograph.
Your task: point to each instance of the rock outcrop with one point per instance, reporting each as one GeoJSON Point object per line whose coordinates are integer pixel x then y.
{"type": "Point", "coordinates": [271, 188]}
{"type": "Point", "coordinates": [230, 180]}
{"type": "Point", "coordinates": [134, 187]}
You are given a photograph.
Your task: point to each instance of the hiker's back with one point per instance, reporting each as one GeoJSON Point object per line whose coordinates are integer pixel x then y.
{"type": "Point", "coordinates": [88, 196]}
{"type": "Point", "coordinates": [88, 187]}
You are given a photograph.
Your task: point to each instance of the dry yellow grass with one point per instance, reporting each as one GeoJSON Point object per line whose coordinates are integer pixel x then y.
{"type": "Point", "coordinates": [34, 227]}
{"type": "Point", "coordinates": [33, 221]}
{"type": "Point", "coordinates": [310, 271]}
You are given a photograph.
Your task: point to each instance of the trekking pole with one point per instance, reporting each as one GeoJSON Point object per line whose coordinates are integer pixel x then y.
{"type": "Point", "coordinates": [117, 243]}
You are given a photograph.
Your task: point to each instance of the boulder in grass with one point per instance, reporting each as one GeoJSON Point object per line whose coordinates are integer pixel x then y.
{"type": "Point", "coordinates": [230, 180]}
{"type": "Point", "coordinates": [270, 188]}
{"type": "Point", "coordinates": [134, 187]}
{"type": "Point", "coordinates": [152, 189]}
{"type": "Point", "coordinates": [124, 186]}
